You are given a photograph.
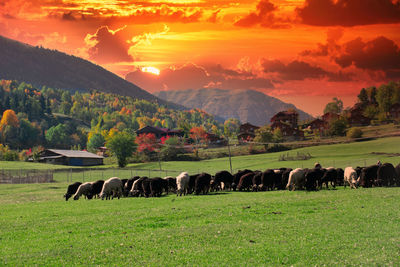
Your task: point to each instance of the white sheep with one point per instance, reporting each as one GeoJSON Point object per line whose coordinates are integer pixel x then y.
{"type": "Point", "coordinates": [84, 189]}
{"type": "Point", "coordinates": [112, 187]}
{"type": "Point", "coordinates": [350, 177]}
{"type": "Point", "coordinates": [182, 183]}
{"type": "Point", "coordinates": [296, 179]}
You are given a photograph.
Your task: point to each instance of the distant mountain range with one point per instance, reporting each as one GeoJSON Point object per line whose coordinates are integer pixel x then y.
{"type": "Point", "coordinates": [246, 105]}
{"type": "Point", "coordinates": [45, 67]}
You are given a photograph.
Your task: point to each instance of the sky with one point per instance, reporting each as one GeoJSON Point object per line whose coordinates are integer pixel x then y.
{"type": "Point", "coordinates": [301, 51]}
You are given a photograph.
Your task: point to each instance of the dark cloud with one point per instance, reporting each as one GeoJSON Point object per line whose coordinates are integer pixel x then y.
{"type": "Point", "coordinates": [299, 70]}
{"type": "Point", "coordinates": [349, 12]}
{"type": "Point", "coordinates": [331, 46]}
{"type": "Point", "coordinates": [263, 16]}
{"type": "Point", "coordinates": [378, 54]}
{"type": "Point", "coordinates": [192, 76]}
{"type": "Point", "coordinates": [108, 46]}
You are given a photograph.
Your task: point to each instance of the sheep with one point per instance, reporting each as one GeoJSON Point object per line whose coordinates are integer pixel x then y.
{"type": "Point", "coordinates": [225, 178]}
{"type": "Point", "coordinates": [313, 178]}
{"type": "Point", "coordinates": [340, 176]}
{"type": "Point", "coordinates": [368, 176]}
{"type": "Point", "coordinates": [182, 183]}
{"type": "Point", "coordinates": [329, 176]}
{"type": "Point", "coordinates": [285, 178]}
{"type": "Point", "coordinates": [128, 185]}
{"type": "Point", "coordinates": [267, 180]}
{"type": "Point", "coordinates": [137, 189]}
{"type": "Point", "coordinates": [296, 179]}
{"type": "Point", "coordinates": [157, 185]}
{"type": "Point", "coordinates": [171, 181]}
{"type": "Point", "coordinates": [386, 175]}
{"type": "Point", "coordinates": [350, 177]}
{"type": "Point", "coordinates": [237, 176]}
{"type": "Point", "coordinates": [398, 175]}
{"type": "Point", "coordinates": [84, 189]}
{"type": "Point", "coordinates": [202, 183]}
{"type": "Point", "coordinates": [191, 184]}
{"type": "Point", "coordinates": [111, 188]}
{"type": "Point", "coordinates": [71, 190]}
{"type": "Point", "coordinates": [97, 187]}
{"type": "Point", "coordinates": [246, 181]}
{"type": "Point", "coordinates": [146, 187]}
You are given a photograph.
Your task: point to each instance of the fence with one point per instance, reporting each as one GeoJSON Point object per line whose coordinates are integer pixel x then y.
{"type": "Point", "coordinates": [25, 176]}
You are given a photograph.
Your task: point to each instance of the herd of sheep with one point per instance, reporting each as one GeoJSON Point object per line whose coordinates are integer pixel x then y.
{"type": "Point", "coordinates": [245, 180]}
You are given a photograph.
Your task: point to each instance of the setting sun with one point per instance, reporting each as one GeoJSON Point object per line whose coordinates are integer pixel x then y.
{"type": "Point", "coordinates": [152, 70]}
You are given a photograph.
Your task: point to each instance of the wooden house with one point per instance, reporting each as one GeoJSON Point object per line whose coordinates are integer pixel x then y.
{"type": "Point", "coordinates": [70, 157]}
{"type": "Point", "coordinates": [247, 132]}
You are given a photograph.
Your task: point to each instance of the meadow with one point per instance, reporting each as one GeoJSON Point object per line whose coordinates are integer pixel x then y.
{"type": "Point", "coordinates": [328, 227]}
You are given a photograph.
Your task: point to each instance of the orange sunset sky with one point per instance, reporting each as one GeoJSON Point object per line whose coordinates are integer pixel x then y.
{"type": "Point", "coordinates": [300, 51]}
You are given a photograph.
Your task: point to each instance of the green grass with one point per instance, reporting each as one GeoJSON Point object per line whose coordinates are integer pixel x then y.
{"type": "Point", "coordinates": [329, 227]}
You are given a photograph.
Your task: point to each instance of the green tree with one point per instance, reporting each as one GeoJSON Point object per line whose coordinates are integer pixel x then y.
{"type": "Point", "coordinates": [263, 135]}
{"type": "Point", "coordinates": [122, 145]}
{"type": "Point", "coordinates": [171, 148]}
{"type": "Point", "coordinates": [363, 97]}
{"type": "Point", "coordinates": [336, 106]}
{"type": "Point", "coordinates": [278, 136]}
{"type": "Point", "coordinates": [371, 111]}
{"type": "Point", "coordinates": [57, 136]}
{"type": "Point", "coordinates": [231, 127]}
{"type": "Point", "coordinates": [96, 141]}
{"type": "Point", "coordinates": [384, 98]}
{"type": "Point", "coordinates": [338, 127]}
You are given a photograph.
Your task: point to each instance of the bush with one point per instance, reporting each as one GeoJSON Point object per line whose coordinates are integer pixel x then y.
{"type": "Point", "coordinates": [354, 133]}
{"type": "Point", "coordinates": [11, 156]}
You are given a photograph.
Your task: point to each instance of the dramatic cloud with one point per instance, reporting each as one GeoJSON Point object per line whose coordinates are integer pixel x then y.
{"type": "Point", "coordinates": [349, 12]}
{"type": "Point", "coordinates": [108, 46]}
{"type": "Point", "coordinates": [331, 46]}
{"type": "Point", "coordinates": [192, 76]}
{"type": "Point", "coordinates": [263, 16]}
{"type": "Point", "coordinates": [299, 70]}
{"type": "Point", "coordinates": [378, 54]}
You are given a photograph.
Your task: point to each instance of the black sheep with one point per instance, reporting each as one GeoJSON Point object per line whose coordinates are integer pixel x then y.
{"type": "Point", "coordinates": [137, 189]}
{"type": "Point", "coordinates": [171, 184]}
{"type": "Point", "coordinates": [157, 185]}
{"type": "Point", "coordinates": [97, 187]}
{"type": "Point", "coordinates": [146, 187]}
{"type": "Point", "coordinates": [368, 175]}
{"type": "Point", "coordinates": [246, 182]}
{"type": "Point", "coordinates": [202, 183]}
{"type": "Point", "coordinates": [128, 185]}
{"type": "Point", "coordinates": [192, 181]}
{"type": "Point", "coordinates": [340, 176]}
{"type": "Point", "coordinates": [386, 175]}
{"type": "Point", "coordinates": [71, 190]}
{"type": "Point", "coordinates": [267, 180]}
{"type": "Point", "coordinates": [256, 180]}
{"type": "Point", "coordinates": [398, 175]}
{"type": "Point", "coordinates": [313, 179]}
{"type": "Point", "coordinates": [224, 177]}
{"type": "Point", "coordinates": [285, 178]}
{"type": "Point", "coordinates": [237, 176]}
{"type": "Point", "coordinates": [330, 175]}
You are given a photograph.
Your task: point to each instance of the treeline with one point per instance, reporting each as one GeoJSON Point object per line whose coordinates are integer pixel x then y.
{"type": "Point", "coordinates": [59, 119]}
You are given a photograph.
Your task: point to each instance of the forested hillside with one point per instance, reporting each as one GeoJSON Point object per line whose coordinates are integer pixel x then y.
{"type": "Point", "coordinates": [56, 118]}
{"type": "Point", "coordinates": [51, 68]}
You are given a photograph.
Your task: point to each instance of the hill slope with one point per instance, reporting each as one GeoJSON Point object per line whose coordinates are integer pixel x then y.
{"type": "Point", "coordinates": [245, 105]}
{"type": "Point", "coordinates": [45, 67]}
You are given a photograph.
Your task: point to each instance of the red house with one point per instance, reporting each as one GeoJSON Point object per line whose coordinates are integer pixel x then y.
{"type": "Point", "coordinates": [290, 117]}
{"type": "Point", "coordinates": [318, 124]}
{"type": "Point", "coordinates": [247, 132]}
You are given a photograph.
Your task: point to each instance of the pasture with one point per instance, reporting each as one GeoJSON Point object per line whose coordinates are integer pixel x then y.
{"type": "Point", "coordinates": [332, 227]}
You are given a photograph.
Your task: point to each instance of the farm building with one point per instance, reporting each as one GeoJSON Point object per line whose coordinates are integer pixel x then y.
{"type": "Point", "coordinates": [247, 132]}
{"type": "Point", "coordinates": [159, 132]}
{"type": "Point", "coordinates": [70, 157]}
{"type": "Point", "coordinates": [394, 111]}
{"type": "Point", "coordinates": [319, 125]}
{"type": "Point", "coordinates": [356, 116]}
{"type": "Point", "coordinates": [330, 116]}
{"type": "Point", "coordinates": [288, 117]}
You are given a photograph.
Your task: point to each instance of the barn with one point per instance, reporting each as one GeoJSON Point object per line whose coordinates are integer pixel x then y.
{"type": "Point", "coordinates": [70, 157]}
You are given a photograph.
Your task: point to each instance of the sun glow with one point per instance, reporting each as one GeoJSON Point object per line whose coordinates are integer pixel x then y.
{"type": "Point", "coordinates": [152, 70]}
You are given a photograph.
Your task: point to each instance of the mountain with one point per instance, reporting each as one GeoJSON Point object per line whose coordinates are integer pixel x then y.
{"type": "Point", "coordinates": [45, 67]}
{"type": "Point", "coordinates": [245, 105]}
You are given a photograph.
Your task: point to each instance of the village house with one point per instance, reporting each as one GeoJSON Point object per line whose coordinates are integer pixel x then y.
{"type": "Point", "coordinates": [356, 117]}
{"type": "Point", "coordinates": [247, 132]}
{"type": "Point", "coordinates": [289, 117]}
{"type": "Point", "coordinates": [329, 117]}
{"type": "Point", "coordinates": [70, 157]}
{"type": "Point", "coordinates": [287, 121]}
{"type": "Point", "coordinates": [319, 125]}
{"type": "Point", "coordinates": [159, 132]}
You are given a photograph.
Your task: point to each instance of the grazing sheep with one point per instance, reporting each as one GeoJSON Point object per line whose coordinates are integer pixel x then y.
{"type": "Point", "coordinates": [313, 179]}
{"type": "Point", "coordinates": [237, 176]}
{"type": "Point", "coordinates": [191, 184]}
{"type": "Point", "coordinates": [84, 189]}
{"type": "Point", "coordinates": [202, 183]}
{"type": "Point", "coordinates": [225, 178]}
{"type": "Point", "coordinates": [317, 165]}
{"type": "Point", "coordinates": [398, 175]}
{"type": "Point", "coordinates": [182, 183]}
{"type": "Point", "coordinates": [71, 190]}
{"type": "Point", "coordinates": [256, 181]}
{"type": "Point", "coordinates": [111, 188]}
{"type": "Point", "coordinates": [340, 176]}
{"type": "Point", "coordinates": [246, 181]}
{"type": "Point", "coordinates": [128, 185]}
{"type": "Point", "coordinates": [329, 176]}
{"type": "Point", "coordinates": [386, 175]}
{"type": "Point", "coordinates": [146, 187]}
{"type": "Point", "coordinates": [296, 179]}
{"type": "Point", "coordinates": [350, 177]}
{"type": "Point", "coordinates": [97, 187]}
{"type": "Point", "coordinates": [285, 178]}
{"type": "Point", "coordinates": [267, 180]}
{"type": "Point", "coordinates": [368, 176]}
{"type": "Point", "coordinates": [171, 181]}
{"type": "Point", "coordinates": [137, 188]}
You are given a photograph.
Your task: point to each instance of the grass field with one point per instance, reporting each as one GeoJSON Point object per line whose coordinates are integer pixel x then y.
{"type": "Point", "coordinates": [331, 227]}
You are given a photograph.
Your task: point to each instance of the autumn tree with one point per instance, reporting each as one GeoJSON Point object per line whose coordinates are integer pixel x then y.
{"type": "Point", "coordinates": [9, 126]}
{"type": "Point", "coordinates": [122, 145]}
{"type": "Point", "coordinates": [263, 135]}
{"type": "Point", "coordinates": [147, 143]}
{"type": "Point", "coordinates": [198, 134]}
{"type": "Point", "coordinates": [231, 127]}
{"type": "Point", "coordinates": [9, 118]}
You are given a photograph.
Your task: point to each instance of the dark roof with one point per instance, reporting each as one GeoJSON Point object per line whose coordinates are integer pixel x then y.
{"type": "Point", "coordinates": [153, 128]}
{"type": "Point", "coordinates": [249, 125]}
{"type": "Point", "coordinates": [74, 153]}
